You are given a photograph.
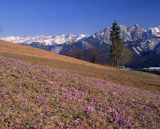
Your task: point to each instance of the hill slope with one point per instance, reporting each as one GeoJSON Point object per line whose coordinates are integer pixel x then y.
{"type": "Point", "coordinates": [34, 96]}
{"type": "Point", "coordinates": [38, 89]}
{"type": "Point", "coordinates": [32, 55]}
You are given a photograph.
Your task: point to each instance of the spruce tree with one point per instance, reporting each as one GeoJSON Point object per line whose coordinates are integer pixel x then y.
{"type": "Point", "coordinates": [116, 44]}
{"type": "Point", "coordinates": [120, 54]}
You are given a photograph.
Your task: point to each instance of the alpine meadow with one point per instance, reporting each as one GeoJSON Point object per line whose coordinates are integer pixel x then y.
{"type": "Point", "coordinates": [79, 64]}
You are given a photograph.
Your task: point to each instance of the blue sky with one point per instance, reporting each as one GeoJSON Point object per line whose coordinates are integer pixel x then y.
{"type": "Point", "coordinates": [52, 17]}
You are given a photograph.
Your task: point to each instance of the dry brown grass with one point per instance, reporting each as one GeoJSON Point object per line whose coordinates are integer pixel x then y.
{"type": "Point", "coordinates": [133, 78]}
{"type": "Point", "coordinates": [17, 49]}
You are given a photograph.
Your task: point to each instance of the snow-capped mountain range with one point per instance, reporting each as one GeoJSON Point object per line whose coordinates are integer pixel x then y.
{"type": "Point", "coordinates": [45, 40]}
{"type": "Point", "coordinates": [147, 39]}
{"type": "Point", "coordinates": [144, 43]}
{"type": "Point", "coordinates": [133, 33]}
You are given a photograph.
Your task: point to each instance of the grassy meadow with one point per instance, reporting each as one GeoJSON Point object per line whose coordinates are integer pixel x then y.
{"type": "Point", "coordinates": [138, 79]}
{"type": "Point", "coordinates": [39, 89]}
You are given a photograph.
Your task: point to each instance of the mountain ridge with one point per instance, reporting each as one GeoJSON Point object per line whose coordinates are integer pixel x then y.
{"type": "Point", "coordinates": [144, 44]}
{"type": "Point", "coordinates": [44, 39]}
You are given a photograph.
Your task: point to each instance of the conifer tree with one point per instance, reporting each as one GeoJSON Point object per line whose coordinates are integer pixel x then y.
{"type": "Point", "coordinates": [120, 54]}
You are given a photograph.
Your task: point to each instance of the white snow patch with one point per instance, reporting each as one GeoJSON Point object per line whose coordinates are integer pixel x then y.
{"type": "Point", "coordinates": [136, 50]}
{"type": "Point", "coordinates": [140, 49]}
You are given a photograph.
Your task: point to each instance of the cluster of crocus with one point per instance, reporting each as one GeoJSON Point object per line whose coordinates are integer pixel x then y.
{"type": "Point", "coordinates": [34, 96]}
